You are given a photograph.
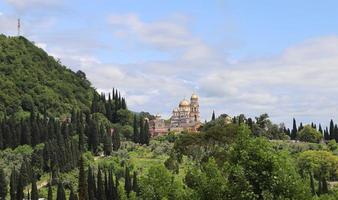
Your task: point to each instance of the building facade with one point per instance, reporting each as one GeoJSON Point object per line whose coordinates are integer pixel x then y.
{"type": "Point", "coordinates": [186, 117]}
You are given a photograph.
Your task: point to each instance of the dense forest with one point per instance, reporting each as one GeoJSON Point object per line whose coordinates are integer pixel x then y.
{"type": "Point", "coordinates": [60, 139]}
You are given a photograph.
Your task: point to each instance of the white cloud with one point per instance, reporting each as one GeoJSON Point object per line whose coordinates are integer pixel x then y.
{"type": "Point", "coordinates": [22, 5]}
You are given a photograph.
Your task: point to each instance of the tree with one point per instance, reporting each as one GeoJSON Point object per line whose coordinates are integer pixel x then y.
{"type": "Point", "coordinates": [309, 134]}
{"type": "Point", "coordinates": [50, 192]}
{"type": "Point", "coordinates": [3, 185]}
{"type": "Point", "coordinates": [34, 193]}
{"type": "Point", "coordinates": [157, 184]}
{"type": "Point", "coordinates": [60, 194]}
{"type": "Point", "coordinates": [322, 164]}
{"type": "Point", "coordinates": [294, 130]}
{"type": "Point", "coordinates": [135, 183]}
{"type": "Point", "coordinates": [107, 144]}
{"type": "Point", "coordinates": [72, 195]}
{"type": "Point", "coordinates": [213, 117]}
{"type": "Point", "coordinates": [127, 181]}
{"type": "Point", "coordinates": [146, 134]}
{"type": "Point", "coordinates": [13, 183]}
{"type": "Point", "coordinates": [100, 187]}
{"type": "Point", "coordinates": [136, 135]}
{"type": "Point", "coordinates": [83, 187]}
{"type": "Point", "coordinates": [116, 140]}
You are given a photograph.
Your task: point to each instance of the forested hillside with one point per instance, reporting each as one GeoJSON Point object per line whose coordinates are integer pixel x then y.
{"type": "Point", "coordinates": [29, 78]}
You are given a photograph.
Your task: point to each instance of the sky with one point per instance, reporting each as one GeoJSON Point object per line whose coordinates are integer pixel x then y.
{"type": "Point", "coordinates": [277, 57]}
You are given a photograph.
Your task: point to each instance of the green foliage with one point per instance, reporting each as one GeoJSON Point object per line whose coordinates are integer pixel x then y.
{"type": "Point", "coordinates": [309, 134]}
{"type": "Point", "coordinates": [160, 184]}
{"type": "Point", "coordinates": [30, 78]}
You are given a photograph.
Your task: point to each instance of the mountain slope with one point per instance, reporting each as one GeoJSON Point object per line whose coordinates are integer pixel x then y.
{"type": "Point", "coordinates": [30, 78]}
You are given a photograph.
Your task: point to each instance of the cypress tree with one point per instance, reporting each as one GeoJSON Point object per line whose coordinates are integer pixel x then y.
{"type": "Point", "coordinates": [34, 194]}
{"type": "Point", "coordinates": [320, 129]}
{"type": "Point", "coordinates": [116, 140]}
{"type": "Point", "coordinates": [146, 133]}
{"type": "Point", "coordinates": [3, 184]}
{"type": "Point", "coordinates": [141, 135]}
{"type": "Point", "coordinates": [81, 139]}
{"type": "Point", "coordinates": [136, 135]}
{"type": "Point", "coordinates": [213, 117]}
{"type": "Point", "coordinates": [83, 187]}
{"type": "Point", "coordinates": [13, 183]}
{"type": "Point", "coordinates": [93, 136]}
{"type": "Point", "coordinates": [19, 187]}
{"type": "Point", "coordinates": [72, 195]}
{"type": "Point", "coordinates": [50, 192]}
{"type": "Point", "coordinates": [107, 144]}
{"type": "Point", "coordinates": [91, 184]}
{"type": "Point", "coordinates": [135, 183]}
{"type": "Point", "coordinates": [331, 130]}
{"type": "Point", "coordinates": [127, 181]}
{"type": "Point", "coordinates": [100, 187]}
{"type": "Point", "coordinates": [60, 195]}
{"type": "Point", "coordinates": [294, 130]}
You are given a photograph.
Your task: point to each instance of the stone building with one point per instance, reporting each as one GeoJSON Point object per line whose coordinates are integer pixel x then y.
{"type": "Point", "coordinates": [186, 117]}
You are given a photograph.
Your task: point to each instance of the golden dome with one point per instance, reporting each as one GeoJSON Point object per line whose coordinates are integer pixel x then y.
{"type": "Point", "coordinates": [184, 103]}
{"type": "Point", "coordinates": [194, 96]}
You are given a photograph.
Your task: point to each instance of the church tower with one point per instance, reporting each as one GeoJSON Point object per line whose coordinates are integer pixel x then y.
{"type": "Point", "coordinates": [194, 108]}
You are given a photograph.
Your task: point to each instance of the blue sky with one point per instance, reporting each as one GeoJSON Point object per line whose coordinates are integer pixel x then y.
{"type": "Point", "coordinates": [251, 57]}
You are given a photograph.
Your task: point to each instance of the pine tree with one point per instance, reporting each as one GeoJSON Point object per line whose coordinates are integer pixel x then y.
{"type": "Point", "coordinates": [136, 135]}
{"type": "Point", "coordinates": [50, 192]}
{"type": "Point", "coordinates": [83, 187]}
{"type": "Point", "coordinates": [3, 185]}
{"type": "Point", "coordinates": [116, 140]}
{"type": "Point", "coordinates": [107, 144]}
{"type": "Point", "coordinates": [60, 195]}
{"type": "Point", "coordinates": [127, 181]}
{"type": "Point", "coordinates": [294, 130]}
{"type": "Point", "coordinates": [213, 117]}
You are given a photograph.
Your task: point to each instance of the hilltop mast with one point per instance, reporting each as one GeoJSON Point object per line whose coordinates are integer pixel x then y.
{"type": "Point", "coordinates": [19, 26]}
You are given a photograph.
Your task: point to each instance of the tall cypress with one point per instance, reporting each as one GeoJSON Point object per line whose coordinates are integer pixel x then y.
{"type": "Point", "coordinates": [91, 184]}
{"type": "Point", "coordinates": [19, 187]}
{"type": "Point", "coordinates": [72, 195]}
{"type": "Point", "coordinates": [141, 135]}
{"type": "Point", "coordinates": [107, 144]}
{"type": "Point", "coordinates": [50, 192]}
{"type": "Point", "coordinates": [13, 182]}
{"type": "Point", "coordinates": [136, 135]}
{"type": "Point", "coordinates": [34, 193]}
{"type": "Point", "coordinates": [294, 130]}
{"type": "Point", "coordinates": [213, 117]}
{"type": "Point", "coordinates": [331, 130]}
{"type": "Point", "coordinates": [116, 140]}
{"type": "Point", "coordinates": [3, 184]}
{"type": "Point", "coordinates": [100, 187]}
{"type": "Point", "coordinates": [146, 133]}
{"type": "Point", "coordinates": [83, 187]}
{"type": "Point", "coordinates": [60, 194]}
{"type": "Point", "coordinates": [135, 183]}
{"type": "Point", "coordinates": [127, 181]}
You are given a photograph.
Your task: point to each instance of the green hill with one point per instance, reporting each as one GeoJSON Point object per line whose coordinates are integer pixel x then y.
{"type": "Point", "coordinates": [30, 77]}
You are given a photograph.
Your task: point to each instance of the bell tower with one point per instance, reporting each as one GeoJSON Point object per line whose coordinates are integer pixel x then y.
{"type": "Point", "coordinates": [194, 108]}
